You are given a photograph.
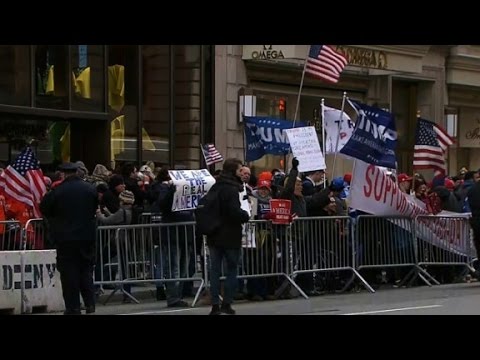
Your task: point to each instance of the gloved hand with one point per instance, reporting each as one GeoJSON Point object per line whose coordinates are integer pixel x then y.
{"type": "Point", "coordinates": [295, 163]}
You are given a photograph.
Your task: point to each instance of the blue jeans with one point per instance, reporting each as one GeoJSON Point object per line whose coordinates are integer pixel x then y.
{"type": "Point", "coordinates": [173, 257]}
{"type": "Point", "coordinates": [232, 257]}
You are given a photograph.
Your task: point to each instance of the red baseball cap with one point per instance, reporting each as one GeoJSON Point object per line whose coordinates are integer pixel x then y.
{"type": "Point", "coordinates": [347, 178]}
{"type": "Point", "coordinates": [264, 183]}
{"type": "Point", "coordinates": [404, 177]}
{"type": "Point", "coordinates": [449, 184]}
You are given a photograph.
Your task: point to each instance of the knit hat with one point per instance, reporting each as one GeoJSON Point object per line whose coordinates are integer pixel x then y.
{"type": "Point", "coordinates": [101, 171]}
{"type": "Point", "coordinates": [127, 197]}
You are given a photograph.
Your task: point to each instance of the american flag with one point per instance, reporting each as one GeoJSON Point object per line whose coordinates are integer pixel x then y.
{"type": "Point", "coordinates": [430, 145]}
{"type": "Point", "coordinates": [211, 154]}
{"type": "Point", "coordinates": [23, 180]}
{"type": "Point", "coordinates": [325, 63]}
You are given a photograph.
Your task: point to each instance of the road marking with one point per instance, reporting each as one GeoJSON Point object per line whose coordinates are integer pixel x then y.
{"type": "Point", "coordinates": [393, 310]}
{"type": "Point", "coordinates": [161, 311]}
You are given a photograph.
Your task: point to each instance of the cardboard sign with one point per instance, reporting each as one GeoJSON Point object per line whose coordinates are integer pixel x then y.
{"type": "Point", "coordinates": [282, 210]}
{"type": "Point", "coordinates": [306, 148]}
{"type": "Point", "coordinates": [191, 186]}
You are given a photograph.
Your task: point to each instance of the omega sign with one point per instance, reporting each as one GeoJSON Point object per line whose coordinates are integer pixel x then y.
{"type": "Point", "coordinates": [267, 53]}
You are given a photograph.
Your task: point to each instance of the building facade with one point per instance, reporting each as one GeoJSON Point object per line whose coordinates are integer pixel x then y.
{"type": "Point", "coordinates": [439, 83]}
{"type": "Point", "coordinates": [106, 104]}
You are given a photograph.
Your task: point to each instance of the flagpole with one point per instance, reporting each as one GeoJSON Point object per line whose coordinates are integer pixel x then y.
{"type": "Point", "coordinates": [338, 133]}
{"type": "Point", "coordinates": [300, 90]}
{"type": "Point", "coordinates": [324, 145]}
{"type": "Point", "coordinates": [412, 190]}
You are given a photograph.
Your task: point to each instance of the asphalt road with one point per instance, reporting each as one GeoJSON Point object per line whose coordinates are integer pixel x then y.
{"type": "Point", "coordinates": [458, 299]}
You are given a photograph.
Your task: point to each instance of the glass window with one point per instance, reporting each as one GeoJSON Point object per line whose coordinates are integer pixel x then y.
{"type": "Point", "coordinates": [156, 103]}
{"type": "Point", "coordinates": [87, 65]}
{"type": "Point", "coordinates": [123, 102]}
{"type": "Point", "coordinates": [15, 75]}
{"type": "Point", "coordinates": [51, 83]}
{"type": "Point", "coordinates": [50, 140]}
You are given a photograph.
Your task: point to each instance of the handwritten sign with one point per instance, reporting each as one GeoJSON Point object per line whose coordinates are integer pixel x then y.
{"type": "Point", "coordinates": [191, 186]}
{"type": "Point", "coordinates": [306, 149]}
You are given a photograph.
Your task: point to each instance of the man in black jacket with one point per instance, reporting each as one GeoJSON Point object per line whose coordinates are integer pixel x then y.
{"type": "Point", "coordinates": [70, 210]}
{"type": "Point", "coordinates": [227, 240]}
{"type": "Point", "coordinates": [473, 196]}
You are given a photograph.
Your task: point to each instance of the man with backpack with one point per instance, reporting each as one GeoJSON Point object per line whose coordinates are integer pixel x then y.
{"type": "Point", "coordinates": [220, 217]}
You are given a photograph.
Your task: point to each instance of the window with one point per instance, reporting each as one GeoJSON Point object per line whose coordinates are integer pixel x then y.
{"type": "Point", "coordinates": [87, 63]}
{"type": "Point", "coordinates": [15, 75]}
{"type": "Point", "coordinates": [51, 83]}
{"type": "Point", "coordinates": [123, 102]}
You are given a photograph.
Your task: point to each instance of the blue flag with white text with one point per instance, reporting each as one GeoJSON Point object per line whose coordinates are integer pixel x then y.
{"type": "Point", "coordinates": [266, 135]}
{"type": "Point", "coordinates": [374, 139]}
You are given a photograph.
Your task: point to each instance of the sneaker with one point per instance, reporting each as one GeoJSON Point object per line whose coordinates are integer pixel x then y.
{"type": "Point", "coordinates": [90, 309]}
{"type": "Point", "coordinates": [227, 309]}
{"type": "Point", "coordinates": [179, 304]}
{"type": "Point", "coordinates": [215, 310]}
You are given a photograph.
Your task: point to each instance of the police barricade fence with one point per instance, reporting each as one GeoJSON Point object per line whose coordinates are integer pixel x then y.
{"type": "Point", "coordinates": [147, 253]}
{"type": "Point", "coordinates": [324, 245]}
{"type": "Point", "coordinates": [388, 243]}
{"type": "Point", "coordinates": [11, 235]}
{"type": "Point", "coordinates": [444, 241]}
{"type": "Point", "coordinates": [34, 235]}
{"type": "Point", "coordinates": [265, 253]}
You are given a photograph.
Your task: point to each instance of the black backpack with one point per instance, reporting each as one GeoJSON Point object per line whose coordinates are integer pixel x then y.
{"type": "Point", "coordinates": [207, 214]}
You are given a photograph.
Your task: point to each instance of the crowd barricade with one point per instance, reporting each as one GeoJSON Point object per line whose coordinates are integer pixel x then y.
{"type": "Point", "coordinates": [11, 235]}
{"type": "Point", "coordinates": [265, 253]}
{"type": "Point", "coordinates": [444, 241]}
{"type": "Point", "coordinates": [324, 244]}
{"type": "Point", "coordinates": [386, 242]}
{"type": "Point", "coordinates": [149, 218]}
{"type": "Point", "coordinates": [149, 253]}
{"type": "Point", "coordinates": [34, 235]}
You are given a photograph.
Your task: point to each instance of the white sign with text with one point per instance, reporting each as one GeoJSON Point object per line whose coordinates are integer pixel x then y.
{"type": "Point", "coordinates": [306, 148]}
{"type": "Point", "coordinates": [190, 187]}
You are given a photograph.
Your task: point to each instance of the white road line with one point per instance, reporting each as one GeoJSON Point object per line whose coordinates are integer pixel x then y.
{"type": "Point", "coordinates": [393, 310]}
{"type": "Point", "coordinates": [161, 311]}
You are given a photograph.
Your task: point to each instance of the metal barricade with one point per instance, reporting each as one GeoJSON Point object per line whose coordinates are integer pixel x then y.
{"type": "Point", "coordinates": [324, 244]}
{"type": "Point", "coordinates": [11, 235]}
{"type": "Point", "coordinates": [265, 253]}
{"type": "Point", "coordinates": [149, 218]}
{"type": "Point", "coordinates": [383, 242]}
{"type": "Point", "coordinates": [444, 241]}
{"type": "Point", "coordinates": [153, 253]}
{"type": "Point", "coordinates": [34, 235]}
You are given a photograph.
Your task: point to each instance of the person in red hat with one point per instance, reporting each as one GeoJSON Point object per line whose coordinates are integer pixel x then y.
{"type": "Point", "coordinates": [404, 183]}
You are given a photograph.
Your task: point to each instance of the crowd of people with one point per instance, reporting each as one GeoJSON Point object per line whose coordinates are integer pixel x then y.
{"type": "Point", "coordinates": [123, 194]}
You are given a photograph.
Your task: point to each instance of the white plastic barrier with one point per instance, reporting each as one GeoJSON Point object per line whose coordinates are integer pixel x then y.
{"type": "Point", "coordinates": [43, 288]}
{"type": "Point", "coordinates": [10, 282]}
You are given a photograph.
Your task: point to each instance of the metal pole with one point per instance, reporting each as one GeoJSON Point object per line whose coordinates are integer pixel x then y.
{"type": "Point", "coordinates": [338, 133]}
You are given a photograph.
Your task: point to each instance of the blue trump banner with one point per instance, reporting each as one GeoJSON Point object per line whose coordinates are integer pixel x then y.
{"type": "Point", "coordinates": [375, 137]}
{"type": "Point", "coordinates": [266, 135]}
